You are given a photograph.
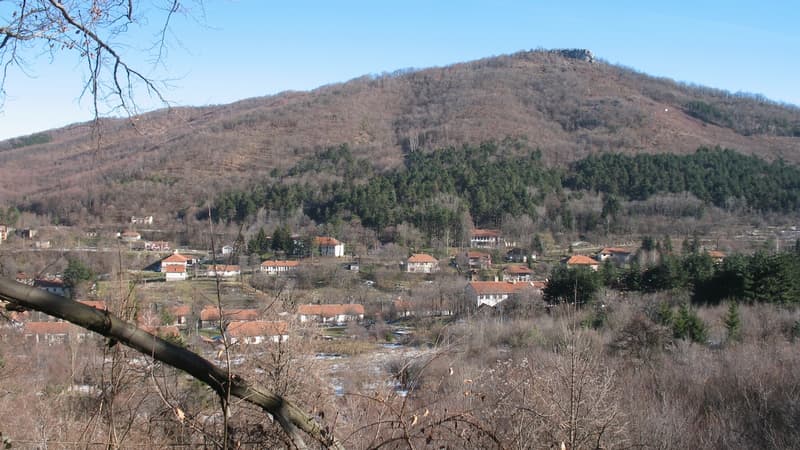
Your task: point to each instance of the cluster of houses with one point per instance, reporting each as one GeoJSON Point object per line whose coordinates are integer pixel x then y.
{"type": "Point", "coordinates": [241, 325]}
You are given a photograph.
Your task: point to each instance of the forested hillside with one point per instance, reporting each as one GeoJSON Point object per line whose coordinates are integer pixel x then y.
{"type": "Point", "coordinates": [566, 108]}
{"type": "Point", "coordinates": [444, 192]}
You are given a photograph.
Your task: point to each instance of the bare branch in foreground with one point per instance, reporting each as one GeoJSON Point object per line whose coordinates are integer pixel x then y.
{"type": "Point", "coordinates": [291, 418]}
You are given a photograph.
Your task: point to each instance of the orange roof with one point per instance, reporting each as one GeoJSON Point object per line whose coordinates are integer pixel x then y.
{"type": "Point", "coordinates": [51, 328]}
{"type": "Point", "coordinates": [581, 260]}
{"type": "Point", "coordinates": [212, 313]}
{"type": "Point", "coordinates": [174, 269]}
{"type": "Point", "coordinates": [129, 233]}
{"type": "Point", "coordinates": [175, 258]}
{"type": "Point", "coordinates": [422, 258]}
{"type": "Point", "coordinates": [98, 304]}
{"type": "Point", "coordinates": [258, 328]}
{"type": "Point", "coordinates": [518, 270]}
{"type": "Point", "coordinates": [180, 310]}
{"type": "Point", "coordinates": [331, 310]}
{"type": "Point", "coordinates": [48, 282]}
{"type": "Point", "coordinates": [716, 254]}
{"type": "Point", "coordinates": [477, 232]}
{"type": "Point", "coordinates": [280, 264]}
{"type": "Point", "coordinates": [166, 330]}
{"type": "Point", "coordinates": [502, 287]}
{"type": "Point", "coordinates": [478, 255]}
{"type": "Point", "coordinates": [612, 250]}
{"type": "Point", "coordinates": [326, 241]}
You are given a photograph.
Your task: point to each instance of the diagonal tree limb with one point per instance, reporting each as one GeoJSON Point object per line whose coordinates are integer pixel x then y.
{"type": "Point", "coordinates": [292, 419]}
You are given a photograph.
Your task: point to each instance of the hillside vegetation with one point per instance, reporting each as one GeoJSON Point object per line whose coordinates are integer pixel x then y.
{"type": "Point", "coordinates": [566, 108]}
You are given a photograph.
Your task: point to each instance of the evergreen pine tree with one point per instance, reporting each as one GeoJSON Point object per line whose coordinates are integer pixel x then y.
{"type": "Point", "coordinates": [733, 323]}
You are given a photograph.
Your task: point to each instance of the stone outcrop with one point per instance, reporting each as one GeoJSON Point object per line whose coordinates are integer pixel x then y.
{"type": "Point", "coordinates": [575, 53]}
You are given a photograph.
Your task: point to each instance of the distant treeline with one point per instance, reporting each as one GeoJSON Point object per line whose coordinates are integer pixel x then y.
{"type": "Point", "coordinates": [716, 176]}
{"type": "Point", "coordinates": [758, 278]}
{"type": "Point", "coordinates": [435, 190]}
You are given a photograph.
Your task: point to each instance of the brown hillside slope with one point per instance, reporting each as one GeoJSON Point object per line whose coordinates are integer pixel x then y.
{"type": "Point", "coordinates": [566, 107]}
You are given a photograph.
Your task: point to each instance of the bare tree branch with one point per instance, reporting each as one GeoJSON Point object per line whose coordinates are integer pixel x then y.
{"type": "Point", "coordinates": [291, 418]}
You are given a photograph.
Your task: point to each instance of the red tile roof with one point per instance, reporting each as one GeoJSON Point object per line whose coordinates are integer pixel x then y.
{"type": "Point", "coordinates": [518, 270]}
{"type": "Point", "coordinates": [716, 254]}
{"type": "Point", "coordinates": [280, 264]}
{"type": "Point", "coordinates": [43, 328]}
{"type": "Point", "coordinates": [581, 260]}
{"type": "Point", "coordinates": [331, 310]}
{"type": "Point", "coordinates": [422, 258]}
{"type": "Point", "coordinates": [478, 232]}
{"type": "Point", "coordinates": [180, 310]}
{"type": "Point", "coordinates": [98, 304]}
{"type": "Point", "coordinates": [258, 328]}
{"type": "Point", "coordinates": [175, 258]}
{"type": "Point", "coordinates": [326, 241]}
{"type": "Point", "coordinates": [161, 331]}
{"type": "Point", "coordinates": [48, 282]}
{"type": "Point", "coordinates": [612, 250]}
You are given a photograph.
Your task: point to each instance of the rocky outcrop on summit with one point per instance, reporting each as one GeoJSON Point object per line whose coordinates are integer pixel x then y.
{"type": "Point", "coordinates": [575, 53]}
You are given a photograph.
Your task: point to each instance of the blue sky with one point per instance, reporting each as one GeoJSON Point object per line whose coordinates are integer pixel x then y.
{"type": "Point", "coordinates": [236, 49]}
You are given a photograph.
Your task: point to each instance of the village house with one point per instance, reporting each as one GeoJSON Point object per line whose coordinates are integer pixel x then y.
{"type": "Point", "coordinates": [209, 316]}
{"type": "Point", "coordinates": [227, 250]}
{"type": "Point", "coordinates": [24, 278]}
{"type": "Point", "coordinates": [42, 245]}
{"type": "Point", "coordinates": [97, 304]}
{"type": "Point", "coordinates": [52, 285]}
{"type": "Point", "coordinates": [180, 315]}
{"type": "Point", "coordinates": [26, 233]}
{"type": "Point", "coordinates": [52, 333]}
{"type": "Point", "coordinates": [479, 260]}
{"type": "Point", "coordinates": [156, 246]}
{"type": "Point", "coordinates": [422, 263]}
{"type": "Point", "coordinates": [716, 256]}
{"type": "Point", "coordinates": [174, 266]}
{"type": "Point", "coordinates": [3, 233]}
{"type": "Point", "coordinates": [491, 293]}
{"type": "Point", "coordinates": [403, 308]}
{"type": "Point", "coordinates": [174, 272]}
{"type": "Point", "coordinates": [576, 261]}
{"type": "Point", "coordinates": [279, 267]}
{"type": "Point", "coordinates": [162, 331]}
{"type": "Point", "coordinates": [517, 273]}
{"type": "Point", "coordinates": [329, 246]}
{"type": "Point", "coordinates": [618, 256]}
{"type": "Point", "coordinates": [331, 313]}
{"type": "Point", "coordinates": [480, 238]}
{"type": "Point", "coordinates": [223, 271]}
{"type": "Point", "coordinates": [519, 255]}
{"type": "Point", "coordinates": [258, 332]}
{"type": "Point", "coordinates": [143, 220]}
{"type": "Point", "coordinates": [129, 236]}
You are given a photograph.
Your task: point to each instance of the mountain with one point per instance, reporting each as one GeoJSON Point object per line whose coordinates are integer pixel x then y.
{"type": "Point", "coordinates": [565, 103]}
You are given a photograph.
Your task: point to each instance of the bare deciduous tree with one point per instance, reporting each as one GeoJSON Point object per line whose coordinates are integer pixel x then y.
{"type": "Point", "coordinates": [93, 31]}
{"type": "Point", "coordinates": [292, 419]}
